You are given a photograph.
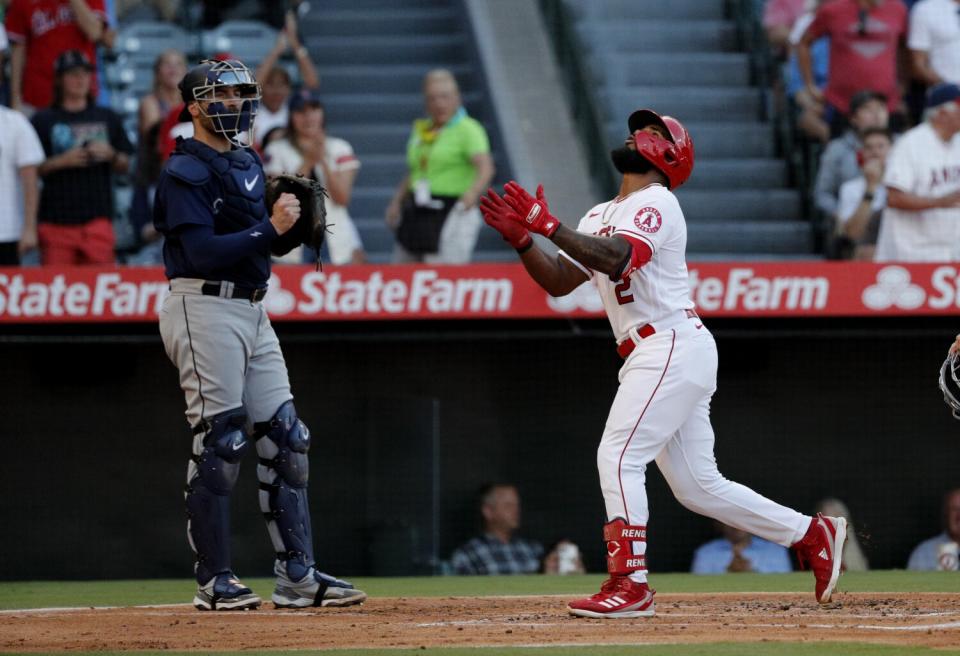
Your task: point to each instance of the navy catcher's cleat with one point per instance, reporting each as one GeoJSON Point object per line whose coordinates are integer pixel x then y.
{"type": "Point", "coordinates": [225, 592]}
{"type": "Point", "coordinates": [314, 589]}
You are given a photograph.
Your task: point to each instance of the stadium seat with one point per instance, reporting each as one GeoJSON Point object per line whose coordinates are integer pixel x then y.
{"type": "Point", "coordinates": [689, 63]}
{"type": "Point", "coordinates": [250, 40]}
{"type": "Point", "coordinates": [146, 39]}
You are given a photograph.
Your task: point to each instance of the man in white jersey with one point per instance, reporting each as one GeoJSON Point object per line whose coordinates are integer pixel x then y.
{"type": "Point", "coordinates": [632, 248]}
{"type": "Point", "coordinates": [922, 220]}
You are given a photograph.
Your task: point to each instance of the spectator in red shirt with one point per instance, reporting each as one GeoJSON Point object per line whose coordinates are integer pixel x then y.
{"type": "Point", "coordinates": [865, 36]}
{"type": "Point", "coordinates": [39, 31]}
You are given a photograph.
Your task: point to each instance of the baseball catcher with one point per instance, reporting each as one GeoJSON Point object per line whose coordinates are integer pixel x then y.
{"type": "Point", "coordinates": [312, 226]}
{"type": "Point", "coordinates": [221, 221]}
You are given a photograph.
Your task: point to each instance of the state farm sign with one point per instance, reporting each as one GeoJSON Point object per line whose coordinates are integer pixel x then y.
{"type": "Point", "coordinates": [489, 291]}
{"type": "Point", "coordinates": [742, 288]}
{"type": "Point", "coordinates": [77, 296]}
{"type": "Point", "coordinates": [425, 291]}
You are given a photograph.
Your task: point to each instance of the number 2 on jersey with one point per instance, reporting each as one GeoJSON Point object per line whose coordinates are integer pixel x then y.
{"type": "Point", "coordinates": [622, 290]}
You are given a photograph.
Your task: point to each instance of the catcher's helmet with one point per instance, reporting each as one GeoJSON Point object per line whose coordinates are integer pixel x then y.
{"type": "Point", "coordinates": [673, 157]}
{"type": "Point", "coordinates": [206, 81]}
{"type": "Point", "coordinates": [950, 384]}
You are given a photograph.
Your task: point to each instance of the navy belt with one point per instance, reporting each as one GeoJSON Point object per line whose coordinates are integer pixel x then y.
{"type": "Point", "coordinates": [254, 294]}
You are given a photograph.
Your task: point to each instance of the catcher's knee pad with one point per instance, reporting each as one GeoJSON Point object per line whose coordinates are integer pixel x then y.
{"type": "Point", "coordinates": [218, 446]}
{"type": "Point", "coordinates": [282, 444]}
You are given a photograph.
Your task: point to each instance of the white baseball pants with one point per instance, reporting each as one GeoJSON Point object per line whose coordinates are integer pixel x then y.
{"type": "Point", "coordinates": [662, 412]}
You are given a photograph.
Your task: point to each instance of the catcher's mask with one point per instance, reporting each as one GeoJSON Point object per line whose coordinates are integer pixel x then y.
{"type": "Point", "coordinates": [205, 84]}
{"type": "Point", "coordinates": [950, 384]}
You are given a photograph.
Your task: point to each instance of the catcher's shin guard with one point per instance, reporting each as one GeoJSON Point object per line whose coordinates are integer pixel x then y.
{"type": "Point", "coordinates": [218, 446]}
{"type": "Point", "coordinates": [282, 444]}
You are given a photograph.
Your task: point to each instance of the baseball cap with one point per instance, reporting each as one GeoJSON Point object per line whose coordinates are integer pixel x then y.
{"type": "Point", "coordinates": [70, 59]}
{"type": "Point", "coordinates": [302, 98]}
{"type": "Point", "coordinates": [861, 98]}
{"type": "Point", "coordinates": [942, 93]}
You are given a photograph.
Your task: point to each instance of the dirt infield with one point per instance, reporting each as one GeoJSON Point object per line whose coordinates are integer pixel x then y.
{"type": "Point", "coordinates": [929, 619]}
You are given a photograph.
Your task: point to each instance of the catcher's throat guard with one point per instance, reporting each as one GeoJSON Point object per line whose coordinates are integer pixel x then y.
{"type": "Point", "coordinates": [950, 383]}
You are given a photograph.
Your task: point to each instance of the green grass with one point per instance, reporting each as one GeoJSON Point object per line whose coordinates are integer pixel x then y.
{"type": "Point", "coordinates": [47, 594]}
{"type": "Point", "coordinates": [712, 649]}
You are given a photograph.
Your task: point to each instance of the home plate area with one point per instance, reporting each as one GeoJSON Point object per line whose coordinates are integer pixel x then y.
{"type": "Point", "coordinates": [928, 619]}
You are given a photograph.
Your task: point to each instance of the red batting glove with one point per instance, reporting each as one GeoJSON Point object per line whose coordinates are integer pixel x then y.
{"type": "Point", "coordinates": [504, 220]}
{"type": "Point", "coordinates": [534, 212]}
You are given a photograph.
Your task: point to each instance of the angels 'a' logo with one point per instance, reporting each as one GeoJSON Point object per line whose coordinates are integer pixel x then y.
{"type": "Point", "coordinates": [613, 548]}
{"type": "Point", "coordinates": [648, 219]}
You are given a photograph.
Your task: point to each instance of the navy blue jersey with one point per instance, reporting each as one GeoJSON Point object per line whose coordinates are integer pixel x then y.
{"type": "Point", "coordinates": [210, 208]}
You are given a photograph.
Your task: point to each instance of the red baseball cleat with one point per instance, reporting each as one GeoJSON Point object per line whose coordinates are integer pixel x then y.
{"type": "Point", "coordinates": [619, 596]}
{"type": "Point", "coordinates": [821, 549]}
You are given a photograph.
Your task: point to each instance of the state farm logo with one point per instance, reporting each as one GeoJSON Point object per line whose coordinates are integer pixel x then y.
{"type": "Point", "coordinates": [743, 288]}
{"type": "Point", "coordinates": [894, 289]}
{"type": "Point", "coordinates": [426, 292]}
{"type": "Point", "coordinates": [278, 300]}
{"type": "Point", "coordinates": [106, 295]}
{"type": "Point", "coordinates": [648, 219]}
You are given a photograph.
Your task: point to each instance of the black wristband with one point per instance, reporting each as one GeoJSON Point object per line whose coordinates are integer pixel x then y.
{"type": "Point", "coordinates": [868, 195]}
{"type": "Point", "coordinates": [524, 249]}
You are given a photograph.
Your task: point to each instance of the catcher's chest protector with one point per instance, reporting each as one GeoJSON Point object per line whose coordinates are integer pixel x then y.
{"type": "Point", "coordinates": [242, 184]}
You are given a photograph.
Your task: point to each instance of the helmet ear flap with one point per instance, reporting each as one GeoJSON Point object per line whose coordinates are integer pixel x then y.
{"type": "Point", "coordinates": [673, 156]}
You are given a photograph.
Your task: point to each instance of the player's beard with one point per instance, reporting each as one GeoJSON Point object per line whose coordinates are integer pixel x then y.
{"type": "Point", "coordinates": [627, 160]}
{"type": "Point", "coordinates": [206, 124]}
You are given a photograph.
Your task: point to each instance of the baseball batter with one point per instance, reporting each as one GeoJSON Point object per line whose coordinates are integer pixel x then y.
{"type": "Point", "coordinates": [210, 208]}
{"type": "Point", "coordinates": [633, 249]}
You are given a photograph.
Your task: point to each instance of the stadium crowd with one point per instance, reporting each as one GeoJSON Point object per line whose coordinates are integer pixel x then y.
{"type": "Point", "coordinates": [65, 150]}
{"type": "Point", "coordinates": [853, 76]}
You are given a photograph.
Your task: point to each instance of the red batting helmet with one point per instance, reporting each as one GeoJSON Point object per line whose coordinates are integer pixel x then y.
{"type": "Point", "coordinates": [673, 158]}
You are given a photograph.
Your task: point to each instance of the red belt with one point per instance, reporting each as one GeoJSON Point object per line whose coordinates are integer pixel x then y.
{"type": "Point", "coordinates": [625, 348]}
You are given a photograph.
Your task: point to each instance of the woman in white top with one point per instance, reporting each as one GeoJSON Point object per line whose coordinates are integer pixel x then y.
{"type": "Point", "coordinates": [308, 151]}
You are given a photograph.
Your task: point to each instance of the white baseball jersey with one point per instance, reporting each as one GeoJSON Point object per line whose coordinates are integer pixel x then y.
{"type": "Point", "coordinates": [19, 147]}
{"type": "Point", "coordinates": [921, 163]}
{"type": "Point", "coordinates": [659, 291]}
{"type": "Point", "coordinates": [935, 29]}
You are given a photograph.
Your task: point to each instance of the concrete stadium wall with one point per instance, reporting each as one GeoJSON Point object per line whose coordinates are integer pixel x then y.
{"type": "Point", "coordinates": [409, 420]}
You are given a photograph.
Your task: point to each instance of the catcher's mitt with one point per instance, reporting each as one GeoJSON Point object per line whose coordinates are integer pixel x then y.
{"type": "Point", "coordinates": [311, 227]}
